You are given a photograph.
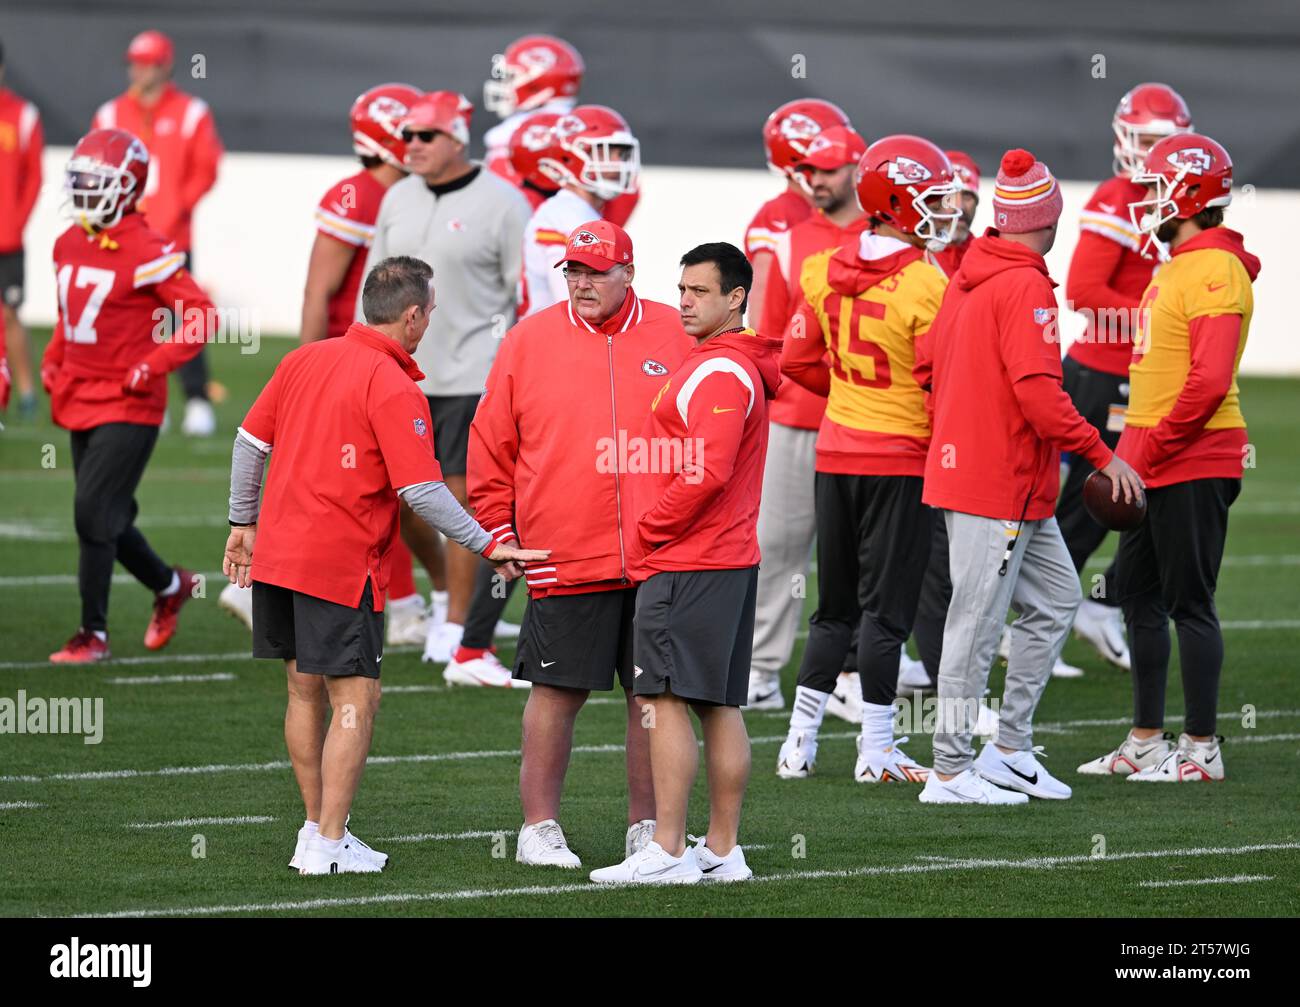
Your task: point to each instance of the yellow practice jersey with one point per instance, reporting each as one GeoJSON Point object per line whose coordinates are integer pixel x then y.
{"type": "Point", "coordinates": [1195, 284]}
{"type": "Point", "coordinates": [870, 312]}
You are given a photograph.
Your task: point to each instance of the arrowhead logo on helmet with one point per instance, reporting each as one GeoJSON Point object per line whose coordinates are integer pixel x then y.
{"type": "Point", "coordinates": [537, 58]}
{"type": "Point", "coordinates": [536, 137]}
{"type": "Point", "coordinates": [904, 169]}
{"type": "Point", "coordinates": [1194, 160]}
{"type": "Point", "coordinates": [798, 126]}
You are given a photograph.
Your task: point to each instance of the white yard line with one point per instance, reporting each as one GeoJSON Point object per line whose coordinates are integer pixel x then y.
{"type": "Point", "coordinates": [17, 805]}
{"type": "Point", "coordinates": [388, 690]}
{"type": "Point", "coordinates": [113, 662]}
{"type": "Point", "coordinates": [1236, 879]}
{"type": "Point", "coordinates": [185, 823]}
{"type": "Point", "coordinates": [972, 864]}
{"type": "Point", "coordinates": [220, 676]}
{"type": "Point", "coordinates": [441, 837]}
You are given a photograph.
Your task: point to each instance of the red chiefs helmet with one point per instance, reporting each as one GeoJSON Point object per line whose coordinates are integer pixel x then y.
{"type": "Point", "coordinates": [965, 170]}
{"type": "Point", "coordinates": [533, 140]}
{"type": "Point", "coordinates": [790, 129]}
{"type": "Point", "coordinates": [376, 122]}
{"type": "Point", "coordinates": [899, 179]}
{"type": "Point", "coordinates": [1188, 173]}
{"type": "Point", "coordinates": [1147, 111]}
{"type": "Point", "coordinates": [532, 71]}
{"type": "Point", "coordinates": [595, 150]}
{"type": "Point", "coordinates": [105, 177]}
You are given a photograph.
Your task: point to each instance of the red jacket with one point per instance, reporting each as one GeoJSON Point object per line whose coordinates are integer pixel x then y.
{"type": "Point", "coordinates": [21, 143]}
{"type": "Point", "coordinates": [184, 149]}
{"type": "Point", "coordinates": [709, 421]}
{"type": "Point", "coordinates": [115, 289]}
{"type": "Point", "coordinates": [549, 446]}
{"type": "Point", "coordinates": [993, 364]}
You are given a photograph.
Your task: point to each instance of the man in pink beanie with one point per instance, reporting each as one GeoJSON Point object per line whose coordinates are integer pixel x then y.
{"type": "Point", "coordinates": [992, 364]}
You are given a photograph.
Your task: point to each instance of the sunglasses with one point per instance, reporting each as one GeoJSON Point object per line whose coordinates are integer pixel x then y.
{"type": "Point", "coordinates": [423, 135]}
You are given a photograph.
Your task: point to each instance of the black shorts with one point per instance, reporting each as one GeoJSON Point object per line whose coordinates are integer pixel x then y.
{"type": "Point", "coordinates": [578, 641]}
{"type": "Point", "coordinates": [452, 415]}
{"type": "Point", "coordinates": [11, 279]}
{"type": "Point", "coordinates": [326, 638]}
{"type": "Point", "coordinates": [695, 635]}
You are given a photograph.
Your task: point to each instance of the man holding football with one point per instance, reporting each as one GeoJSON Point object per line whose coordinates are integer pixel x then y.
{"type": "Point", "coordinates": [1186, 435]}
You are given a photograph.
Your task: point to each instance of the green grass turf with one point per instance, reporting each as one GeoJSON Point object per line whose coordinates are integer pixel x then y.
{"type": "Point", "coordinates": [75, 854]}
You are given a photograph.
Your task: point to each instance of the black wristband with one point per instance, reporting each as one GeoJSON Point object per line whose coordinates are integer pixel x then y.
{"type": "Point", "coordinates": [239, 524]}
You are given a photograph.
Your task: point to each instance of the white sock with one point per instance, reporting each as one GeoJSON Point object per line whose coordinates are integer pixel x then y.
{"type": "Point", "coordinates": [101, 634]}
{"type": "Point", "coordinates": [877, 726]}
{"type": "Point", "coordinates": [809, 710]}
{"type": "Point", "coordinates": [171, 588]}
{"type": "Point", "coordinates": [310, 826]}
{"type": "Point", "coordinates": [331, 845]}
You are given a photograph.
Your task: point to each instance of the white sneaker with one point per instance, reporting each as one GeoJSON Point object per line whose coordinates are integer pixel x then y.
{"type": "Point", "coordinates": [305, 834]}
{"type": "Point", "coordinates": [238, 601]}
{"type": "Point", "coordinates": [1063, 670]}
{"type": "Point", "coordinates": [764, 692]}
{"type": "Point", "coordinates": [1133, 756]}
{"type": "Point", "coordinates": [732, 867]}
{"type": "Point", "coordinates": [506, 630]}
{"type": "Point", "coordinates": [888, 765]}
{"type": "Point", "coordinates": [442, 641]}
{"type": "Point", "coordinates": [1020, 771]}
{"type": "Point", "coordinates": [1103, 627]}
{"type": "Point", "coordinates": [651, 865]}
{"type": "Point", "coordinates": [638, 834]}
{"type": "Point", "coordinates": [967, 788]}
{"type": "Point", "coordinates": [485, 671]}
{"type": "Point", "coordinates": [846, 700]}
{"type": "Point", "coordinates": [912, 676]}
{"type": "Point", "coordinates": [797, 759]}
{"type": "Point", "coordinates": [352, 857]}
{"type": "Point", "coordinates": [407, 621]}
{"type": "Point", "coordinates": [986, 722]}
{"type": "Point", "coordinates": [200, 420]}
{"type": "Point", "coordinates": [1191, 762]}
{"type": "Point", "coordinates": [543, 845]}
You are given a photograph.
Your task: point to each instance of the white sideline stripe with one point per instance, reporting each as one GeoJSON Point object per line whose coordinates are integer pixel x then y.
{"type": "Point", "coordinates": [16, 805]}
{"type": "Point", "coordinates": [1236, 879]}
{"type": "Point", "coordinates": [388, 690]}
{"type": "Point", "coordinates": [1032, 863]}
{"type": "Point", "coordinates": [1223, 624]}
{"type": "Point", "coordinates": [374, 760]}
{"type": "Point", "coordinates": [439, 837]}
{"type": "Point", "coordinates": [114, 662]}
{"type": "Point", "coordinates": [1256, 559]}
{"type": "Point", "coordinates": [221, 676]}
{"type": "Point", "coordinates": [1261, 738]}
{"type": "Point", "coordinates": [185, 823]}
{"type": "Point", "coordinates": [65, 579]}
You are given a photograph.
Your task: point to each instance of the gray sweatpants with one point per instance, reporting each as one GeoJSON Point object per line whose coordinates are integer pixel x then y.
{"type": "Point", "coordinates": [1041, 586]}
{"type": "Point", "coordinates": [787, 522]}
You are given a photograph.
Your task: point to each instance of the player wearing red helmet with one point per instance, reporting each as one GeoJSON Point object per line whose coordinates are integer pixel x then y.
{"type": "Point", "coordinates": [181, 136]}
{"type": "Point", "coordinates": [105, 371]}
{"type": "Point", "coordinates": [865, 304]}
{"type": "Point", "coordinates": [1108, 274]}
{"type": "Point", "coordinates": [537, 73]}
{"type": "Point", "coordinates": [528, 145]}
{"type": "Point", "coordinates": [1186, 436]}
{"type": "Point", "coordinates": [787, 521]}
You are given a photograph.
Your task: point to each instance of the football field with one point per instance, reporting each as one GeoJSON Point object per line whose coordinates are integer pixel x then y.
{"type": "Point", "coordinates": [186, 806]}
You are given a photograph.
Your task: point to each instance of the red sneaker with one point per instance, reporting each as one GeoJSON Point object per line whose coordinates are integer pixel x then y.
{"type": "Point", "coordinates": [162, 627]}
{"type": "Point", "coordinates": [84, 648]}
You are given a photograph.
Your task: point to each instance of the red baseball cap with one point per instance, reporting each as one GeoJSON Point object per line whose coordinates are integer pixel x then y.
{"type": "Point", "coordinates": [832, 148]}
{"type": "Point", "coordinates": [598, 244]}
{"type": "Point", "coordinates": [151, 47]}
{"type": "Point", "coordinates": [446, 111]}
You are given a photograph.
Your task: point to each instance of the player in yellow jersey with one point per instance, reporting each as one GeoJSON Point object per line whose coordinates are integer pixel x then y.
{"type": "Point", "coordinates": [1186, 437]}
{"type": "Point", "coordinates": [866, 303]}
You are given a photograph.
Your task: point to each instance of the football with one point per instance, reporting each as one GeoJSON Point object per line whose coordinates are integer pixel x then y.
{"type": "Point", "coordinates": [1117, 515]}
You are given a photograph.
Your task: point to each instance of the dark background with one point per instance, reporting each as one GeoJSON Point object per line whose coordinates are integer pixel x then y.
{"type": "Point", "coordinates": [696, 79]}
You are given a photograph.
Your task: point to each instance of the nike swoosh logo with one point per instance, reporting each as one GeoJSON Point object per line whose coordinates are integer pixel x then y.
{"type": "Point", "coordinates": [1211, 759]}
{"type": "Point", "coordinates": [379, 658]}
{"type": "Point", "coordinates": [1212, 287]}
{"type": "Point", "coordinates": [709, 870]}
{"type": "Point", "coordinates": [1145, 752]}
{"type": "Point", "coordinates": [731, 410]}
{"type": "Point", "coordinates": [547, 664]}
{"type": "Point", "coordinates": [1031, 780]}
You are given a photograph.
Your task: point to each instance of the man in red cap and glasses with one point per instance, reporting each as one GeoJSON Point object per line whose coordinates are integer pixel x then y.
{"type": "Point", "coordinates": [178, 131]}
{"type": "Point", "coordinates": [553, 440]}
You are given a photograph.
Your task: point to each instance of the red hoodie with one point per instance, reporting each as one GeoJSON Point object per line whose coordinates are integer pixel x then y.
{"type": "Point", "coordinates": [709, 422]}
{"type": "Point", "coordinates": [992, 360]}
{"type": "Point", "coordinates": [1184, 419]}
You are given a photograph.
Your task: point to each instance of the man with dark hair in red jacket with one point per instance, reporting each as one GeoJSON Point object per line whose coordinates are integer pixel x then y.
{"type": "Point", "coordinates": [548, 458]}
{"type": "Point", "coordinates": [697, 550]}
{"type": "Point", "coordinates": [1001, 420]}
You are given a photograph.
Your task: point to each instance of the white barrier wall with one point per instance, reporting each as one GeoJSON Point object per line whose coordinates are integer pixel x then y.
{"type": "Point", "coordinates": [254, 231]}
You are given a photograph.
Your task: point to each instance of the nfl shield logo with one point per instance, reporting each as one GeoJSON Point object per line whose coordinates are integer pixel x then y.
{"type": "Point", "coordinates": [1042, 316]}
{"type": "Point", "coordinates": [420, 428]}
